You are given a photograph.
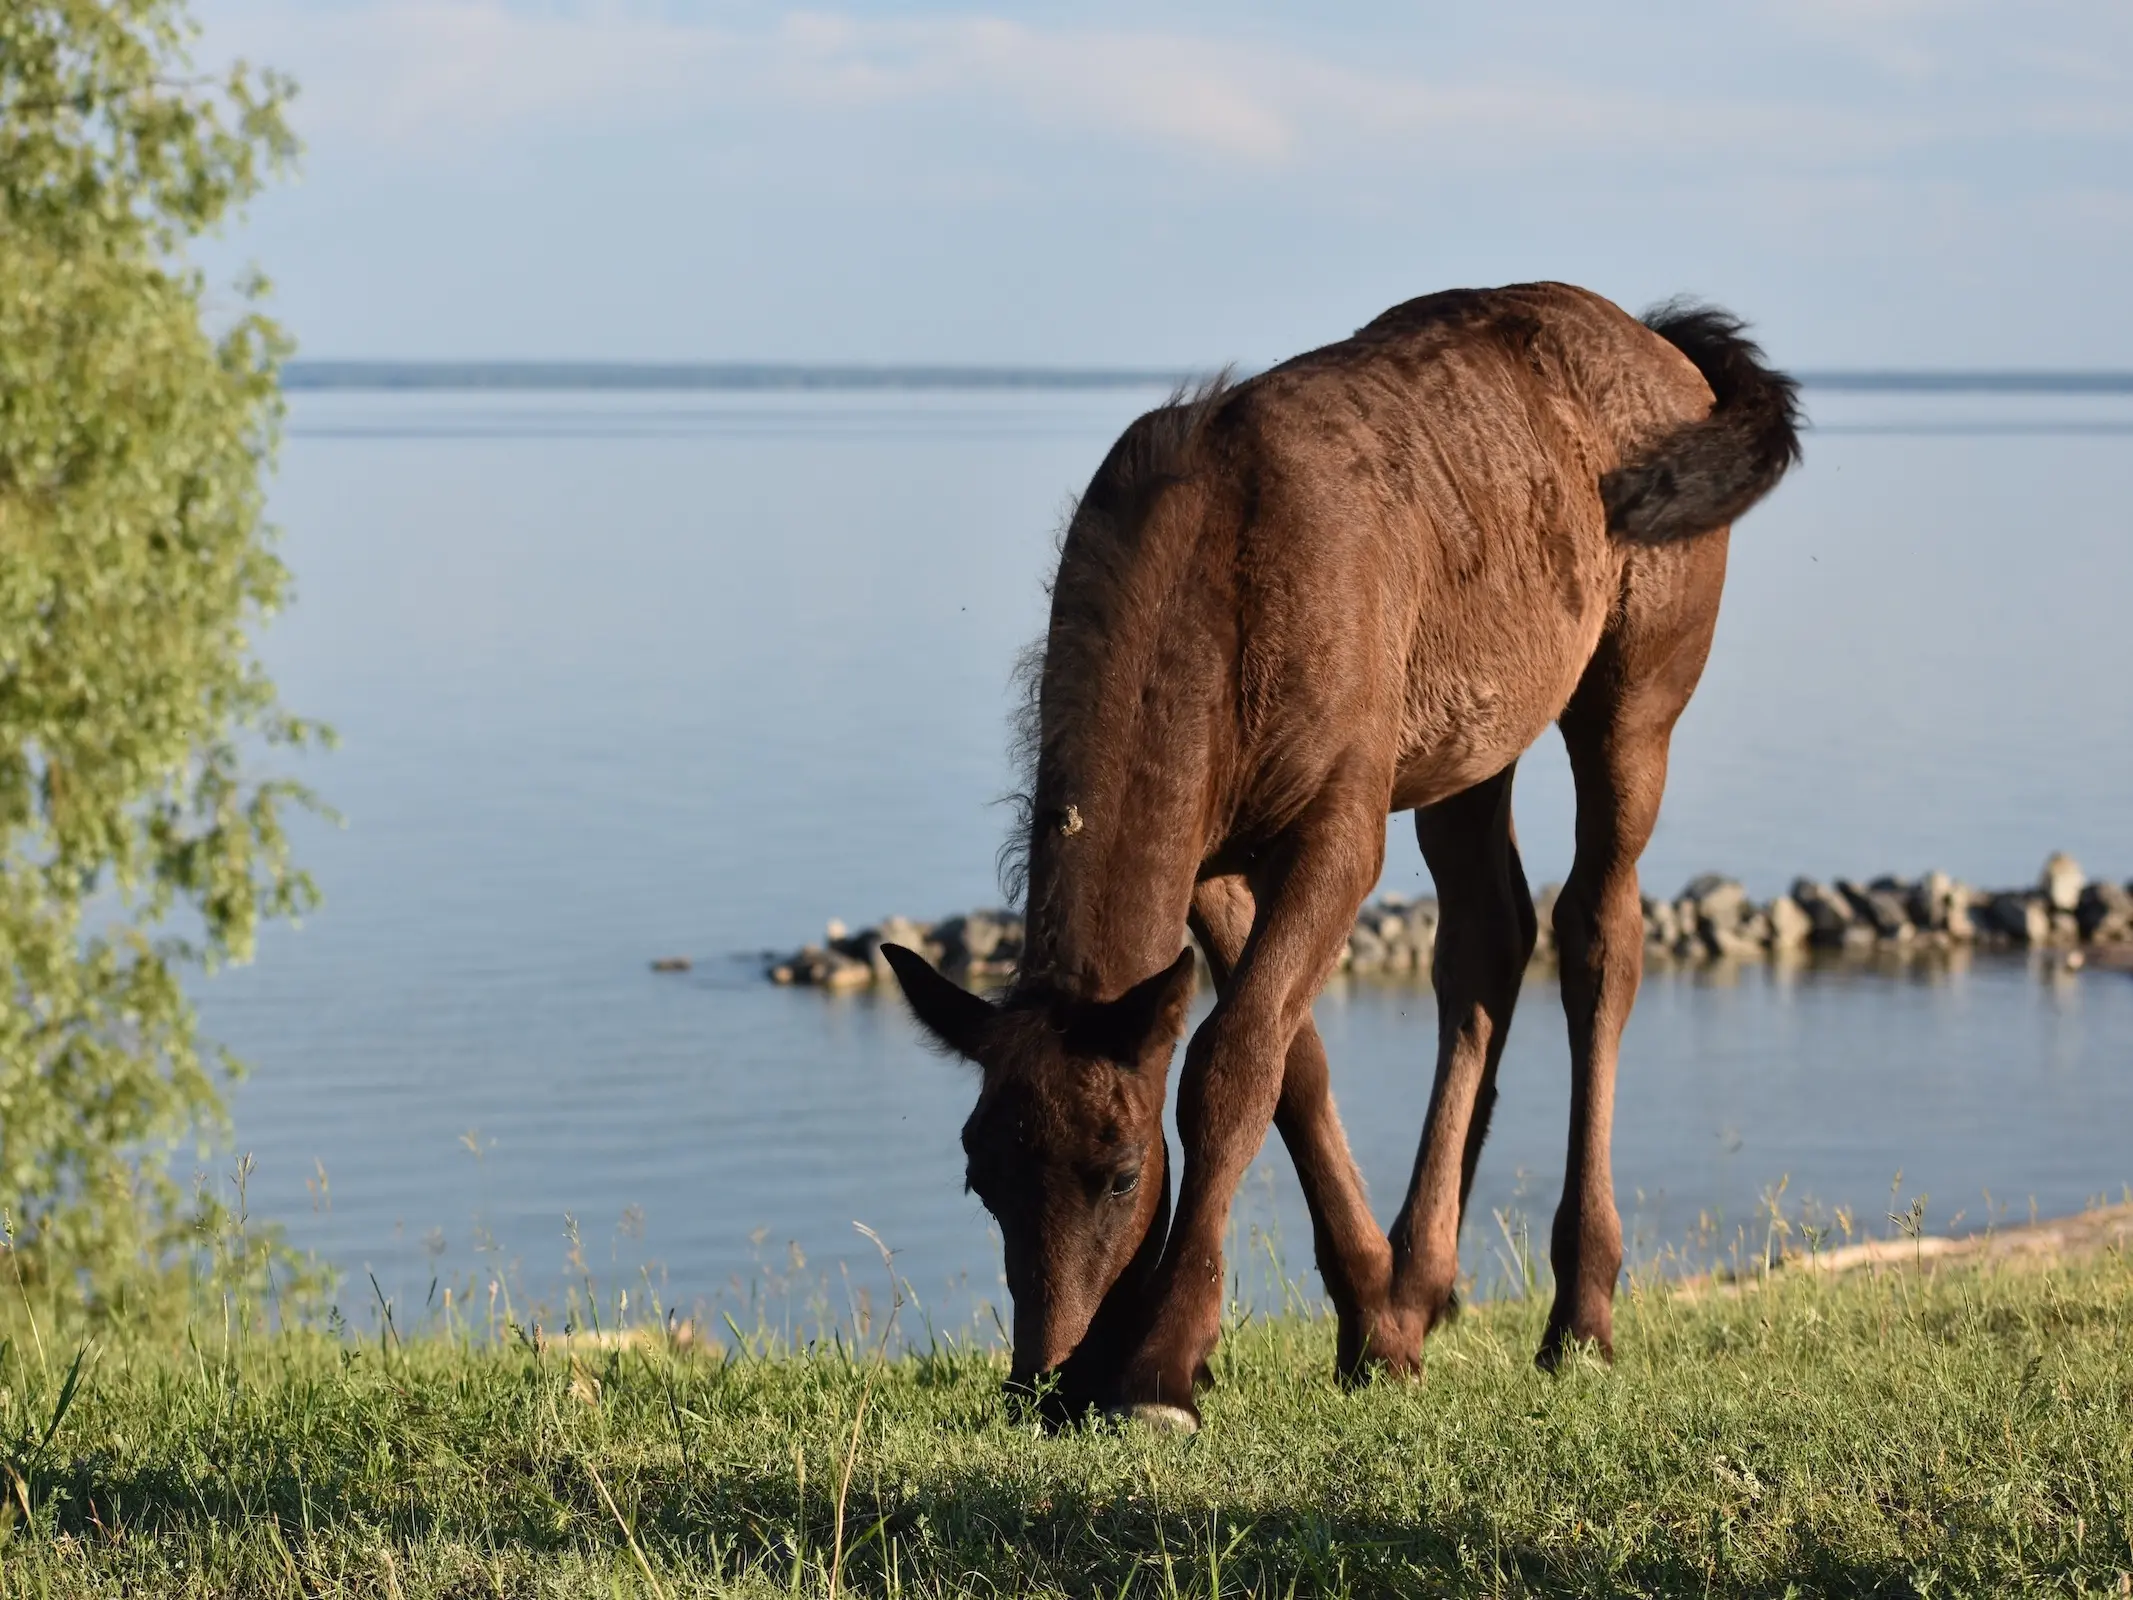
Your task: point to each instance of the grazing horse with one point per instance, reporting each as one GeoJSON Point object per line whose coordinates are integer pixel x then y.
{"type": "Point", "coordinates": [1361, 582]}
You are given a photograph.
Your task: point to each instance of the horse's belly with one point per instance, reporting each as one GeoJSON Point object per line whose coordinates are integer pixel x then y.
{"type": "Point", "coordinates": [1465, 726]}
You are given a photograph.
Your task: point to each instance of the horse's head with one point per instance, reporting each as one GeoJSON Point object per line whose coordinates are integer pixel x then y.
{"type": "Point", "coordinates": [1066, 1151]}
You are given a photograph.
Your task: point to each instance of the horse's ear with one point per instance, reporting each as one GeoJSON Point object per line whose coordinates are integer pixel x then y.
{"type": "Point", "coordinates": [951, 1013]}
{"type": "Point", "coordinates": [1148, 1016]}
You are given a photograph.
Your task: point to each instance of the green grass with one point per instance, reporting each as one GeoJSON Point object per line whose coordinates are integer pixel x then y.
{"type": "Point", "coordinates": [1962, 1432]}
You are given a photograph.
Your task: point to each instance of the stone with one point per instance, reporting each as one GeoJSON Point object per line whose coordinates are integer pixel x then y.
{"type": "Point", "coordinates": [865, 945]}
{"type": "Point", "coordinates": [902, 930]}
{"type": "Point", "coordinates": [2020, 915]}
{"type": "Point", "coordinates": [2105, 913]}
{"type": "Point", "coordinates": [1718, 911]}
{"type": "Point", "coordinates": [2062, 881]}
{"type": "Point", "coordinates": [982, 932]}
{"type": "Point", "coordinates": [1544, 917]}
{"type": "Point", "coordinates": [979, 939]}
{"type": "Point", "coordinates": [806, 966]}
{"type": "Point", "coordinates": [1737, 943]}
{"type": "Point", "coordinates": [842, 972]}
{"type": "Point", "coordinates": [1829, 913]}
{"type": "Point", "coordinates": [1880, 909]}
{"type": "Point", "coordinates": [1938, 903]}
{"type": "Point", "coordinates": [1886, 912]}
{"type": "Point", "coordinates": [1660, 925]}
{"type": "Point", "coordinates": [1719, 899]}
{"type": "Point", "coordinates": [948, 934]}
{"type": "Point", "coordinates": [1790, 925]}
{"type": "Point", "coordinates": [1366, 951]}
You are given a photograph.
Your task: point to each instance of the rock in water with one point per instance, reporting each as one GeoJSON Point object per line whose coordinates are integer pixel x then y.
{"type": "Point", "coordinates": [2023, 917]}
{"type": "Point", "coordinates": [1719, 898]}
{"type": "Point", "coordinates": [1421, 919]}
{"type": "Point", "coordinates": [1939, 904]}
{"type": "Point", "coordinates": [1723, 919]}
{"type": "Point", "coordinates": [2062, 881]}
{"type": "Point", "coordinates": [1544, 917]}
{"type": "Point", "coordinates": [2105, 913]}
{"type": "Point", "coordinates": [1881, 909]}
{"type": "Point", "coordinates": [1790, 925]}
{"type": "Point", "coordinates": [1830, 914]}
{"type": "Point", "coordinates": [842, 972]}
{"type": "Point", "coordinates": [1366, 951]}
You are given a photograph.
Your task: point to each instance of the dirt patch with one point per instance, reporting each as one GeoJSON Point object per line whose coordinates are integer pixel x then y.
{"type": "Point", "coordinates": [2031, 1244]}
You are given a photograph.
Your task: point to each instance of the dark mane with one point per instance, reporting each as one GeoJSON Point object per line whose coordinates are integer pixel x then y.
{"type": "Point", "coordinates": [1103, 523]}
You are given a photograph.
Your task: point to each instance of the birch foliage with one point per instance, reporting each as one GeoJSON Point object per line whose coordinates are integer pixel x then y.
{"type": "Point", "coordinates": [138, 415]}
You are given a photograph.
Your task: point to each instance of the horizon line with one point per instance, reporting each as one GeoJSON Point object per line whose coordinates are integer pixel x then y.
{"type": "Point", "coordinates": [381, 375]}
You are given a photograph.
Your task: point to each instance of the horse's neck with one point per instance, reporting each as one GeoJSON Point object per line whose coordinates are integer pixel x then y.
{"type": "Point", "coordinates": [1133, 676]}
{"type": "Point", "coordinates": [1111, 879]}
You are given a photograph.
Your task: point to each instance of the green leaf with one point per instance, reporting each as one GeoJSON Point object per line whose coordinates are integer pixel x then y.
{"type": "Point", "coordinates": [139, 414]}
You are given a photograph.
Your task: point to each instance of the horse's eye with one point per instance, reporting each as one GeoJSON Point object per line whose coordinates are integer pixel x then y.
{"type": "Point", "coordinates": [1124, 1183]}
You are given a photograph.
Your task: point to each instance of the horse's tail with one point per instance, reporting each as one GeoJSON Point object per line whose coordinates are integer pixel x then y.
{"type": "Point", "coordinates": [1701, 477]}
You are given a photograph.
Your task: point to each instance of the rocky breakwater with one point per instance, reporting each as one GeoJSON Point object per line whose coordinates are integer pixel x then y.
{"type": "Point", "coordinates": [1713, 918]}
{"type": "Point", "coordinates": [979, 948]}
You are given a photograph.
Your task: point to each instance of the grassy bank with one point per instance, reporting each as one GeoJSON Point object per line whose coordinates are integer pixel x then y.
{"type": "Point", "coordinates": [1912, 1428]}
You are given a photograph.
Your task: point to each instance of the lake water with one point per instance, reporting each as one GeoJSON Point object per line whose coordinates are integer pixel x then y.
{"type": "Point", "coordinates": [623, 676]}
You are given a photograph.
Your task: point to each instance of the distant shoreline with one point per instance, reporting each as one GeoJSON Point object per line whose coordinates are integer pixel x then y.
{"type": "Point", "coordinates": [745, 377]}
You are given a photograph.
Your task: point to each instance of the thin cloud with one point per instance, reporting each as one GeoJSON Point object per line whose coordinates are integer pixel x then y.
{"type": "Point", "coordinates": [422, 75]}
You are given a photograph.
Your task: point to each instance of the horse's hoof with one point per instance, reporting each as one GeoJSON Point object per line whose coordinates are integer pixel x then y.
{"type": "Point", "coordinates": [1164, 1419]}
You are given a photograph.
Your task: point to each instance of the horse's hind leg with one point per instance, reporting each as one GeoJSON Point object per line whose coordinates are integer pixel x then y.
{"type": "Point", "coordinates": [1616, 727]}
{"type": "Point", "coordinates": [1484, 940]}
{"type": "Point", "coordinates": [1353, 1259]}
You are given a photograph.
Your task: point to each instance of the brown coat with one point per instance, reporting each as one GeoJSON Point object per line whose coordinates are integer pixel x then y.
{"type": "Point", "coordinates": [1363, 581]}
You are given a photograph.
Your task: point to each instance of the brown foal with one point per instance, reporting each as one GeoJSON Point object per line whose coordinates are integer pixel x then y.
{"type": "Point", "coordinates": [1364, 581]}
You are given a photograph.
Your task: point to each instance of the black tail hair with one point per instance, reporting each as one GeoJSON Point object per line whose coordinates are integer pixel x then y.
{"type": "Point", "coordinates": [1706, 474]}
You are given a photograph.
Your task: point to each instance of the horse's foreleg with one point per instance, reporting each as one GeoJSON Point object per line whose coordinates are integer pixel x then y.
{"type": "Point", "coordinates": [1234, 1073]}
{"type": "Point", "coordinates": [1484, 939]}
{"type": "Point", "coordinates": [1353, 1258]}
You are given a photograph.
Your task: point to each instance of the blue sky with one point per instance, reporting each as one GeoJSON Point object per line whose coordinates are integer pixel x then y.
{"type": "Point", "coordinates": [1875, 183]}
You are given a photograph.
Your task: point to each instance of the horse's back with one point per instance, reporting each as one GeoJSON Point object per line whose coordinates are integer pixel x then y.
{"type": "Point", "coordinates": [1419, 508]}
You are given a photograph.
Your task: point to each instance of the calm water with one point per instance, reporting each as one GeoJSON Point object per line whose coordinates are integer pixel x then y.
{"type": "Point", "coordinates": [623, 676]}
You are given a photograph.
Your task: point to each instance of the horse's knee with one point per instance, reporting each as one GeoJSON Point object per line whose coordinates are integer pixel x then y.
{"type": "Point", "coordinates": [1575, 923]}
{"type": "Point", "coordinates": [1485, 948]}
{"type": "Point", "coordinates": [1231, 1077]}
{"type": "Point", "coordinates": [1595, 921]}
